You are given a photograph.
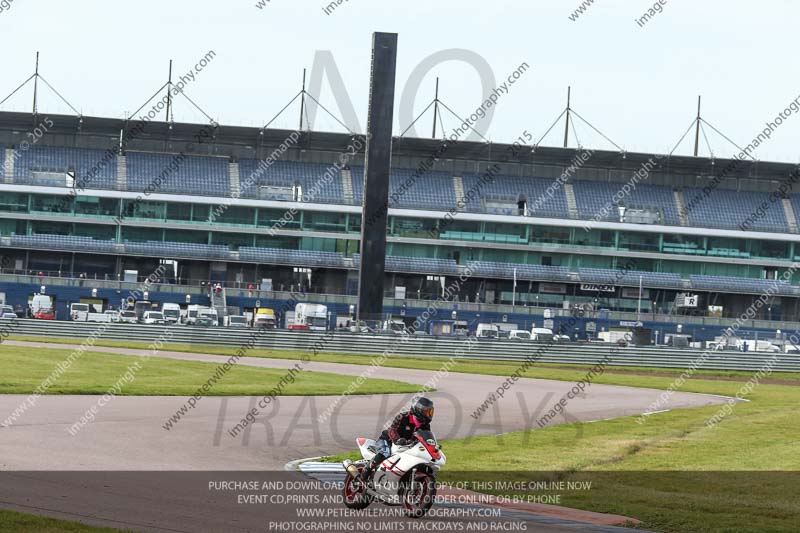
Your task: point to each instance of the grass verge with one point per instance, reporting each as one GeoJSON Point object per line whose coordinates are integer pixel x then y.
{"type": "Point", "coordinates": [495, 368]}
{"type": "Point", "coordinates": [23, 369]}
{"type": "Point", "coordinates": [673, 472]}
{"type": "Point", "coordinates": [14, 522]}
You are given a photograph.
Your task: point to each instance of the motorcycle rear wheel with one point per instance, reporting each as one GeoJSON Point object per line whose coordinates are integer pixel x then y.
{"type": "Point", "coordinates": [418, 496]}
{"type": "Point", "coordinates": [353, 493]}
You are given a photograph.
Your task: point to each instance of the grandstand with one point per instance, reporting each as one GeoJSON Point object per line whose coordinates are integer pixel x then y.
{"type": "Point", "coordinates": [48, 165]}
{"type": "Point", "coordinates": [310, 177]}
{"type": "Point", "coordinates": [438, 189]}
{"type": "Point", "coordinates": [194, 175]}
{"type": "Point", "coordinates": [518, 238]}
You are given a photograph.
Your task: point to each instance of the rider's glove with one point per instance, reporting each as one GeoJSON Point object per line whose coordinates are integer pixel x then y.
{"type": "Point", "coordinates": [401, 442]}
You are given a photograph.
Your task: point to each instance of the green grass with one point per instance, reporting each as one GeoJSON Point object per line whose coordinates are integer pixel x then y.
{"type": "Point", "coordinates": [23, 369]}
{"type": "Point", "coordinates": [672, 472]}
{"type": "Point", "coordinates": [14, 522]}
{"type": "Point", "coordinates": [494, 368]}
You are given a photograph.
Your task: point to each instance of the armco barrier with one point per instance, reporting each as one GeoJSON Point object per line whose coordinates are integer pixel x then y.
{"type": "Point", "coordinates": [425, 346]}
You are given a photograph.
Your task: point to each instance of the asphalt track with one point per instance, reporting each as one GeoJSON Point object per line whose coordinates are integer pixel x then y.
{"type": "Point", "coordinates": [128, 435]}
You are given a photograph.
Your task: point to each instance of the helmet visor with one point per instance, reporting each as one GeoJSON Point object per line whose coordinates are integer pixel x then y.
{"type": "Point", "coordinates": [427, 413]}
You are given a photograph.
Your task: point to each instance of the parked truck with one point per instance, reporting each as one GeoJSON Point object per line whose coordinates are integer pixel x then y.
{"type": "Point", "coordinates": [519, 335]}
{"type": "Point", "coordinates": [312, 317]}
{"type": "Point", "coordinates": [193, 312]}
{"type": "Point", "coordinates": [487, 331]}
{"type": "Point", "coordinates": [210, 315]}
{"type": "Point", "coordinates": [140, 307]}
{"type": "Point", "coordinates": [614, 336]}
{"type": "Point", "coordinates": [127, 316]}
{"type": "Point", "coordinates": [235, 321]}
{"type": "Point", "coordinates": [172, 313]}
{"type": "Point", "coordinates": [42, 308]}
{"type": "Point", "coordinates": [542, 334]}
{"type": "Point", "coordinates": [78, 312]}
{"type": "Point", "coordinates": [83, 312]}
{"type": "Point", "coordinates": [265, 318]}
{"type": "Point", "coordinates": [153, 318]}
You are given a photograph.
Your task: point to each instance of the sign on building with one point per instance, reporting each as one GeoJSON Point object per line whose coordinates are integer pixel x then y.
{"type": "Point", "coordinates": [596, 288]}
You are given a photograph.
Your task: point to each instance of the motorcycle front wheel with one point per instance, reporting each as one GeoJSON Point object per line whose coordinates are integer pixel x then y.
{"type": "Point", "coordinates": [354, 493]}
{"type": "Point", "coordinates": [419, 494]}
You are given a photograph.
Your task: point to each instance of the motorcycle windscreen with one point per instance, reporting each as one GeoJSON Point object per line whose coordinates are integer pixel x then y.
{"type": "Point", "coordinates": [428, 439]}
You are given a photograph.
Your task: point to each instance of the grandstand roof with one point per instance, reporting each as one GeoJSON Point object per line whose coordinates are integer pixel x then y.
{"type": "Point", "coordinates": [247, 142]}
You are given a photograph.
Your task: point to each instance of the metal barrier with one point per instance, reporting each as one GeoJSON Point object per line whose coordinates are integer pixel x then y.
{"type": "Point", "coordinates": [423, 346]}
{"type": "Point", "coordinates": [534, 312]}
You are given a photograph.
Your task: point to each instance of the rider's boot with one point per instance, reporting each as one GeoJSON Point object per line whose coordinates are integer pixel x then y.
{"type": "Point", "coordinates": [366, 474]}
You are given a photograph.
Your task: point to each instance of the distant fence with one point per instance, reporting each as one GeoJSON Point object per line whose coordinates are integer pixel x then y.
{"type": "Point", "coordinates": [424, 346]}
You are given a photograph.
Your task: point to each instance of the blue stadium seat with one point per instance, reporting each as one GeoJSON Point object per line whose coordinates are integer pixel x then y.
{"type": "Point", "coordinates": [524, 272]}
{"type": "Point", "coordinates": [510, 189]}
{"type": "Point", "coordinates": [59, 159]}
{"type": "Point", "coordinates": [729, 209]}
{"type": "Point", "coordinates": [280, 256]}
{"type": "Point", "coordinates": [593, 197]}
{"type": "Point", "coordinates": [795, 199]}
{"type": "Point", "coordinates": [198, 175]}
{"type": "Point", "coordinates": [605, 276]}
{"type": "Point", "coordinates": [419, 265]}
{"type": "Point", "coordinates": [178, 249]}
{"type": "Point", "coordinates": [320, 183]}
{"type": "Point", "coordinates": [753, 285]}
{"type": "Point", "coordinates": [429, 190]}
{"type": "Point", "coordinates": [68, 243]}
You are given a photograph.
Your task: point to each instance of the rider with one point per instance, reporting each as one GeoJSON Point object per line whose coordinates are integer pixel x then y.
{"type": "Point", "coordinates": [400, 431]}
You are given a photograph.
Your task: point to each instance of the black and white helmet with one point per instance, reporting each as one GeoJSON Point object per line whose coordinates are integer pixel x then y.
{"type": "Point", "coordinates": [422, 409]}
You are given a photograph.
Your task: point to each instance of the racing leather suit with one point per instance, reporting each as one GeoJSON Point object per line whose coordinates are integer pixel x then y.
{"type": "Point", "coordinates": [401, 428]}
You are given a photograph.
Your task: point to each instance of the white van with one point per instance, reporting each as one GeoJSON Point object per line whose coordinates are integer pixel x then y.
{"type": "Point", "coordinates": [128, 316]}
{"type": "Point", "coordinates": [519, 334]}
{"type": "Point", "coordinates": [210, 314]}
{"type": "Point", "coordinates": [172, 312]}
{"type": "Point", "coordinates": [541, 334]}
{"type": "Point", "coordinates": [41, 307]}
{"type": "Point", "coordinates": [193, 312]}
{"type": "Point", "coordinates": [153, 317]}
{"type": "Point", "coordinates": [312, 317]}
{"type": "Point", "coordinates": [487, 331]}
{"type": "Point", "coordinates": [235, 321]}
{"type": "Point", "coordinates": [79, 312]}
{"type": "Point", "coordinates": [98, 317]}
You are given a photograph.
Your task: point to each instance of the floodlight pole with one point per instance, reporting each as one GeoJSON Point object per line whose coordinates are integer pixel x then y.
{"type": "Point", "coordinates": [303, 100]}
{"type": "Point", "coordinates": [435, 108]}
{"type": "Point", "coordinates": [697, 129]}
{"type": "Point", "coordinates": [566, 128]}
{"type": "Point", "coordinates": [36, 84]}
{"type": "Point", "coordinates": [169, 89]}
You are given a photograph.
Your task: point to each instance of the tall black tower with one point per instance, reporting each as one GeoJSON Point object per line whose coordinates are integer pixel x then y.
{"type": "Point", "coordinates": [376, 179]}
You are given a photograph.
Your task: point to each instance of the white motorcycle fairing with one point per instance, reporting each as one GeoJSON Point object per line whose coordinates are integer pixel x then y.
{"type": "Point", "coordinates": [388, 477]}
{"type": "Point", "coordinates": [367, 448]}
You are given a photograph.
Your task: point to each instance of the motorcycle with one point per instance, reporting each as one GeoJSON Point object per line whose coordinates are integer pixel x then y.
{"type": "Point", "coordinates": [407, 477]}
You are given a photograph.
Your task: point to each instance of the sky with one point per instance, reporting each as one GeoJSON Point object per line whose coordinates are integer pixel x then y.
{"type": "Point", "coordinates": [637, 84]}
